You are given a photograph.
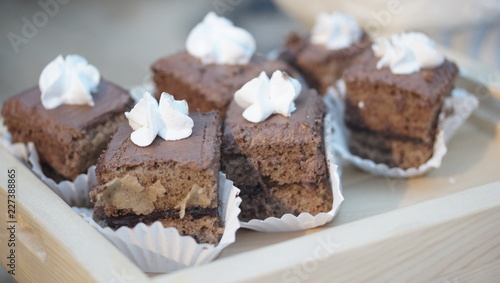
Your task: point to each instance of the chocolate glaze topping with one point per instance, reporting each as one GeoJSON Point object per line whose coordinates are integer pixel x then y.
{"type": "Point", "coordinates": [109, 99]}
{"type": "Point", "coordinates": [436, 79]}
{"type": "Point", "coordinates": [124, 153]}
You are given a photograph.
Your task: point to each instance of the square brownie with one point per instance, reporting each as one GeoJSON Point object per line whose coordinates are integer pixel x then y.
{"type": "Point", "coordinates": [320, 66]}
{"type": "Point", "coordinates": [69, 138]}
{"type": "Point", "coordinates": [174, 182]}
{"type": "Point", "coordinates": [393, 118]}
{"type": "Point", "coordinates": [279, 164]}
{"type": "Point", "coordinates": [207, 87]}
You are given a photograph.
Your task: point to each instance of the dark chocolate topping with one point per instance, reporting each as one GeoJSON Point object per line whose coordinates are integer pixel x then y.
{"type": "Point", "coordinates": [428, 82]}
{"type": "Point", "coordinates": [296, 128]}
{"type": "Point", "coordinates": [217, 82]}
{"type": "Point", "coordinates": [197, 150]}
{"type": "Point", "coordinates": [109, 99]}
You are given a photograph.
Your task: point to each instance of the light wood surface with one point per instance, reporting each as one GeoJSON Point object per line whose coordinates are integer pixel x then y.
{"type": "Point", "coordinates": [54, 244]}
{"type": "Point", "coordinates": [442, 227]}
{"type": "Point", "coordinates": [444, 240]}
{"type": "Point", "coordinates": [473, 160]}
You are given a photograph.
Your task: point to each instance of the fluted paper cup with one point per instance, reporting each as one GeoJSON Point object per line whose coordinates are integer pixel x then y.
{"type": "Point", "coordinates": [74, 193]}
{"type": "Point", "coordinates": [160, 249]}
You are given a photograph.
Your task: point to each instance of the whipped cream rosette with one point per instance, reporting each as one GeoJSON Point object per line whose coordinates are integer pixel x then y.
{"type": "Point", "coordinates": [168, 119]}
{"type": "Point", "coordinates": [69, 80]}
{"type": "Point", "coordinates": [327, 50]}
{"type": "Point", "coordinates": [263, 97]}
{"type": "Point", "coordinates": [335, 31]}
{"type": "Point", "coordinates": [407, 53]}
{"type": "Point", "coordinates": [216, 40]}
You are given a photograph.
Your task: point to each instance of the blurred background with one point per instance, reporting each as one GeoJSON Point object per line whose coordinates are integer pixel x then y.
{"type": "Point", "coordinates": [122, 38]}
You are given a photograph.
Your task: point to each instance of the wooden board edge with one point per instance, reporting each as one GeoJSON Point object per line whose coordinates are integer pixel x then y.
{"type": "Point", "coordinates": [54, 244]}
{"type": "Point", "coordinates": [423, 241]}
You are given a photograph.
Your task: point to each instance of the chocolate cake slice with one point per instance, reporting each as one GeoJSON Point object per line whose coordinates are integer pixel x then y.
{"type": "Point", "coordinates": [68, 138]}
{"type": "Point", "coordinates": [174, 182]}
{"type": "Point", "coordinates": [393, 118]}
{"type": "Point", "coordinates": [207, 87]}
{"type": "Point", "coordinates": [279, 164]}
{"type": "Point", "coordinates": [320, 66]}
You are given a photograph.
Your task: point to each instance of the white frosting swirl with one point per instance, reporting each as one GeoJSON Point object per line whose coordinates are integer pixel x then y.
{"type": "Point", "coordinates": [217, 40]}
{"type": "Point", "coordinates": [169, 119]}
{"type": "Point", "coordinates": [261, 97]}
{"type": "Point", "coordinates": [68, 81]}
{"type": "Point", "coordinates": [335, 31]}
{"type": "Point", "coordinates": [407, 53]}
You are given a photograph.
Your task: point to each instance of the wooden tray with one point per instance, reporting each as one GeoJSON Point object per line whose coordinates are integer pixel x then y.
{"type": "Point", "coordinates": [442, 227]}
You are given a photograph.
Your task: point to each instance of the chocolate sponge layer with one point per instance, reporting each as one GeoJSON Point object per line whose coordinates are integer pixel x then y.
{"type": "Point", "coordinates": [395, 152]}
{"type": "Point", "coordinates": [68, 138]}
{"type": "Point", "coordinates": [204, 225]}
{"type": "Point", "coordinates": [263, 201]}
{"type": "Point", "coordinates": [208, 87]}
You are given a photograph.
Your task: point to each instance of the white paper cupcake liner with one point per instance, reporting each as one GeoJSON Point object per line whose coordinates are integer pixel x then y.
{"type": "Point", "coordinates": [304, 220]}
{"type": "Point", "coordinates": [158, 249]}
{"type": "Point", "coordinates": [74, 193]}
{"type": "Point", "coordinates": [459, 107]}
